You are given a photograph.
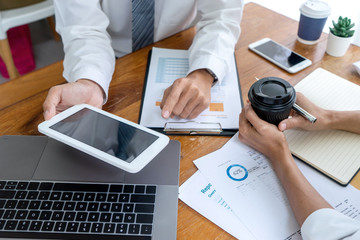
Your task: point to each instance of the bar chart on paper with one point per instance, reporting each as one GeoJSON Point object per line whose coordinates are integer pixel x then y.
{"type": "Point", "coordinates": [170, 69]}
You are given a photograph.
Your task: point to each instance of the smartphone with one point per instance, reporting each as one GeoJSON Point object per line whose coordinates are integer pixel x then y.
{"type": "Point", "coordinates": [280, 55]}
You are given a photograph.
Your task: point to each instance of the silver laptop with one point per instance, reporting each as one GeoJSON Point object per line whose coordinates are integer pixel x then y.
{"type": "Point", "coordinates": [49, 190]}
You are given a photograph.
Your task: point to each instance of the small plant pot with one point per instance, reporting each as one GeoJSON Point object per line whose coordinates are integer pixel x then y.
{"type": "Point", "coordinates": [337, 46]}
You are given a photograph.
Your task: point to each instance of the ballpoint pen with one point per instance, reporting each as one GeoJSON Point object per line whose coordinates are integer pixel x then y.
{"type": "Point", "coordinates": [304, 113]}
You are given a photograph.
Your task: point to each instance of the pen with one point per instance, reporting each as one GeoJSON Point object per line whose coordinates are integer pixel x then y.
{"type": "Point", "coordinates": [304, 113]}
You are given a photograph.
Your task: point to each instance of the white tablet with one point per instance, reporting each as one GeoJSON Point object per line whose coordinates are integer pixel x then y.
{"type": "Point", "coordinates": [115, 140]}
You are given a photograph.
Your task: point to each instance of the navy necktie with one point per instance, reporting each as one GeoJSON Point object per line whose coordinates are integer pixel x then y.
{"type": "Point", "coordinates": [142, 23]}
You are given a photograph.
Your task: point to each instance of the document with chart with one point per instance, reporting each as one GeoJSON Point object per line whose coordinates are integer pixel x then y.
{"type": "Point", "coordinates": [201, 195]}
{"type": "Point", "coordinates": [221, 117]}
{"type": "Point", "coordinates": [247, 182]}
{"type": "Point", "coordinates": [237, 189]}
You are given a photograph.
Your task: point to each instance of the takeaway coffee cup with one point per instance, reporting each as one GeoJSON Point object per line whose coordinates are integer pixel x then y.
{"type": "Point", "coordinates": [272, 99]}
{"type": "Point", "coordinates": [313, 15]}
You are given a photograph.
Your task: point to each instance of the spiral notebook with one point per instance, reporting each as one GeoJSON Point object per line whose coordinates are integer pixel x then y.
{"type": "Point", "coordinates": [333, 152]}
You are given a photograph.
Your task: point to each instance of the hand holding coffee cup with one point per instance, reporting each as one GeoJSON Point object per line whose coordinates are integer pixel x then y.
{"type": "Point", "coordinates": [273, 98]}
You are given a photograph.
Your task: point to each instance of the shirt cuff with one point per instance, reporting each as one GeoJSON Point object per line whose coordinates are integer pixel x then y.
{"type": "Point", "coordinates": [90, 74]}
{"type": "Point", "coordinates": [328, 223]}
{"type": "Point", "coordinates": [212, 63]}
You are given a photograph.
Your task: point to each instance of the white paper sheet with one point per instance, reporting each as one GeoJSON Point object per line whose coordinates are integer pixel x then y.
{"type": "Point", "coordinates": [258, 201]}
{"type": "Point", "coordinates": [202, 196]}
{"type": "Point", "coordinates": [245, 179]}
{"type": "Point", "coordinates": [167, 65]}
{"type": "Point", "coordinates": [344, 199]}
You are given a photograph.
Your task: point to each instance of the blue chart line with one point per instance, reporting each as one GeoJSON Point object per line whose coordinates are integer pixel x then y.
{"type": "Point", "coordinates": [170, 69]}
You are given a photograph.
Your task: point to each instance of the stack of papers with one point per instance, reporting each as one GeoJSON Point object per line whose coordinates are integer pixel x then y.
{"type": "Point", "coordinates": [237, 189]}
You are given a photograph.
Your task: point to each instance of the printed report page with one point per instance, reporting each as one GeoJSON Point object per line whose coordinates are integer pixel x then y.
{"type": "Point", "coordinates": [245, 179]}
{"type": "Point", "coordinates": [167, 65]}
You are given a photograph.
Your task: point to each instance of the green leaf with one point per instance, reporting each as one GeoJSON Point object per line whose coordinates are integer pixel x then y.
{"type": "Point", "coordinates": [352, 25]}
{"type": "Point", "coordinates": [334, 23]}
{"type": "Point", "coordinates": [342, 27]}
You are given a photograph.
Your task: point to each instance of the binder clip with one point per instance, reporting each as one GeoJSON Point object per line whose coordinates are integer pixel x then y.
{"type": "Point", "coordinates": [193, 128]}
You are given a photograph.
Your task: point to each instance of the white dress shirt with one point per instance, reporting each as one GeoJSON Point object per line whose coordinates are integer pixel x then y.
{"type": "Point", "coordinates": [330, 224]}
{"type": "Point", "coordinates": [93, 31]}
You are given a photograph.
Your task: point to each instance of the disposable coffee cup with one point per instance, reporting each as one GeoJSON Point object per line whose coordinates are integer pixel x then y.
{"type": "Point", "coordinates": [272, 99]}
{"type": "Point", "coordinates": [313, 16]}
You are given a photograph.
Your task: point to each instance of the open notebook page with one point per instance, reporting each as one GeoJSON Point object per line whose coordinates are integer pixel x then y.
{"type": "Point", "coordinates": [335, 153]}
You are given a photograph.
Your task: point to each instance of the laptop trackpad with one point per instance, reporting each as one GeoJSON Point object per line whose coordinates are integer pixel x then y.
{"type": "Point", "coordinates": [20, 156]}
{"type": "Point", "coordinates": [61, 162]}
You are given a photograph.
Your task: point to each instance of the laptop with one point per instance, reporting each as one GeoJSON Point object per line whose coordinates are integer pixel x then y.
{"type": "Point", "coordinates": [49, 190]}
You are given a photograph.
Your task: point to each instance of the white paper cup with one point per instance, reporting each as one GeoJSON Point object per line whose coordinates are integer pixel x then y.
{"type": "Point", "coordinates": [313, 15]}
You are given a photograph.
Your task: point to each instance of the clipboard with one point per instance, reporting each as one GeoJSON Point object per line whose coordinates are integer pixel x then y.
{"type": "Point", "coordinates": [183, 126]}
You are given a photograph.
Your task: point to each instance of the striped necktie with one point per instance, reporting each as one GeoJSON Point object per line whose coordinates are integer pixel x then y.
{"type": "Point", "coordinates": [142, 23]}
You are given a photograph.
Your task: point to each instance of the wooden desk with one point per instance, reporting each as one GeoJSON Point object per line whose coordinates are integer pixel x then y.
{"type": "Point", "coordinates": [21, 99]}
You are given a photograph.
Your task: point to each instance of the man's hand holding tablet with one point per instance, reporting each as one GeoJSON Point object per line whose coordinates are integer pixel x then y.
{"type": "Point", "coordinates": [115, 140]}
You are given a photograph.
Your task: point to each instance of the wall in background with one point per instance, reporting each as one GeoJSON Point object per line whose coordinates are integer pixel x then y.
{"type": "Point", "coordinates": [345, 8]}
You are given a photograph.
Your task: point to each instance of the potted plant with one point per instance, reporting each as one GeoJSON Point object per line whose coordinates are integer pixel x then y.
{"type": "Point", "coordinates": [340, 37]}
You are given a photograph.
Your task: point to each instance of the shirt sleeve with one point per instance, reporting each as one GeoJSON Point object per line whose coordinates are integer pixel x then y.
{"type": "Point", "coordinates": [328, 223]}
{"type": "Point", "coordinates": [87, 45]}
{"type": "Point", "coordinates": [218, 31]}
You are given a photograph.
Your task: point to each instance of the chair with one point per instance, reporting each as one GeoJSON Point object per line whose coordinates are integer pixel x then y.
{"type": "Point", "coordinates": [17, 17]}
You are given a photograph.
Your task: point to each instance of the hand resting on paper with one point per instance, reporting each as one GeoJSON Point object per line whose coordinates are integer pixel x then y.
{"type": "Point", "coordinates": [66, 95]}
{"type": "Point", "coordinates": [187, 97]}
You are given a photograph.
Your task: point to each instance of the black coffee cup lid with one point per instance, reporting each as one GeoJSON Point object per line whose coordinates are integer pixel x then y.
{"type": "Point", "coordinates": [272, 91]}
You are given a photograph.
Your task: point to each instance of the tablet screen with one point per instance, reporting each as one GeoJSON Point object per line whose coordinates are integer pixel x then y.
{"type": "Point", "coordinates": [106, 134]}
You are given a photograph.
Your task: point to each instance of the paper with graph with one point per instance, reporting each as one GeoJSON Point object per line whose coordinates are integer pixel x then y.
{"type": "Point", "coordinates": [167, 65]}
{"type": "Point", "coordinates": [236, 188]}
{"type": "Point", "coordinates": [335, 153]}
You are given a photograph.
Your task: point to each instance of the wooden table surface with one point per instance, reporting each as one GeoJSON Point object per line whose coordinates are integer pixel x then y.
{"type": "Point", "coordinates": [21, 99]}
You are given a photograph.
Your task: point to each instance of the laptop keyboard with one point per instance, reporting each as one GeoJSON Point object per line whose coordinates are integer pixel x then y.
{"type": "Point", "coordinates": [32, 209]}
